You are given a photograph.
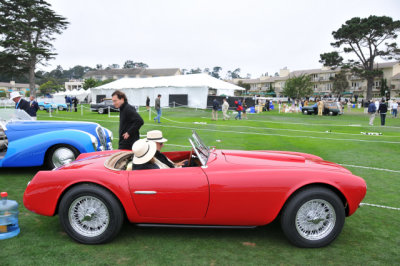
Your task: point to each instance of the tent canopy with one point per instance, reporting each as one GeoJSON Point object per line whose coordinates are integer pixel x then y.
{"type": "Point", "coordinates": [195, 87]}
{"type": "Point", "coordinates": [193, 80]}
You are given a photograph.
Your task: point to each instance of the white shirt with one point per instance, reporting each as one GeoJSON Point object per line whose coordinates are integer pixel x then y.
{"type": "Point", "coordinates": [225, 106]}
{"type": "Point", "coordinates": [395, 105]}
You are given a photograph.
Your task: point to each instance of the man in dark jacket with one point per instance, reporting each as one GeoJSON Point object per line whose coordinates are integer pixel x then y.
{"type": "Point", "coordinates": [129, 121]}
{"type": "Point", "coordinates": [19, 102]}
{"type": "Point", "coordinates": [215, 109]}
{"type": "Point", "coordinates": [382, 110]}
{"type": "Point", "coordinates": [33, 107]}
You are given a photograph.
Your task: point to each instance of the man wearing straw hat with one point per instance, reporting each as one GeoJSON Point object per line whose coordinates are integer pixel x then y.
{"type": "Point", "coordinates": [143, 157]}
{"type": "Point", "coordinates": [162, 160]}
{"type": "Point", "coordinates": [19, 102]}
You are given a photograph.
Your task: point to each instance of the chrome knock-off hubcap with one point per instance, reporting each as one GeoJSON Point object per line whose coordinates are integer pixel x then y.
{"type": "Point", "coordinates": [62, 156]}
{"type": "Point", "coordinates": [315, 219]}
{"type": "Point", "coordinates": [88, 216]}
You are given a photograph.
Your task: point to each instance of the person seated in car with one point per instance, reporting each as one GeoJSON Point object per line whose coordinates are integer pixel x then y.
{"type": "Point", "coordinates": [143, 155]}
{"type": "Point", "coordinates": [162, 160]}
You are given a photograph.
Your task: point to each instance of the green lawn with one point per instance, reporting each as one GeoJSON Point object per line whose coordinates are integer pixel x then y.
{"type": "Point", "coordinates": [371, 236]}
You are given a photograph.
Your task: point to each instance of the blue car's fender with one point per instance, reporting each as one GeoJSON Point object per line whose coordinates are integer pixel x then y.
{"type": "Point", "coordinates": [31, 151]}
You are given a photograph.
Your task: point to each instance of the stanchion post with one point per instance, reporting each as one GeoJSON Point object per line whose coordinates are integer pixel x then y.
{"type": "Point", "coordinates": [149, 113]}
{"type": "Point", "coordinates": [174, 104]}
{"type": "Point", "coordinates": [81, 109]}
{"type": "Point", "coordinates": [109, 113]}
{"type": "Point", "coordinates": [50, 111]}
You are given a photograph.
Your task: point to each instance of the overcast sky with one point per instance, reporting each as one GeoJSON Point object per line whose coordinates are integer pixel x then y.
{"type": "Point", "coordinates": [257, 36]}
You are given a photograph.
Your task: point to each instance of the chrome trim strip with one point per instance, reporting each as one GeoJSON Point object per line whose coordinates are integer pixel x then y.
{"type": "Point", "coordinates": [144, 192]}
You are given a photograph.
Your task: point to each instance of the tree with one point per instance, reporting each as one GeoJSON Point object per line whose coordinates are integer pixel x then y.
{"type": "Point", "coordinates": [194, 71]}
{"type": "Point", "coordinates": [384, 87]}
{"type": "Point", "coordinates": [27, 28]}
{"type": "Point", "coordinates": [89, 83]}
{"type": "Point", "coordinates": [215, 72]}
{"type": "Point", "coordinates": [99, 66]}
{"type": "Point", "coordinates": [246, 86]}
{"type": "Point", "coordinates": [129, 64]}
{"type": "Point", "coordinates": [298, 87]}
{"type": "Point", "coordinates": [49, 86]}
{"type": "Point", "coordinates": [141, 65]}
{"type": "Point", "coordinates": [367, 39]}
{"type": "Point", "coordinates": [235, 74]}
{"type": "Point", "coordinates": [340, 83]}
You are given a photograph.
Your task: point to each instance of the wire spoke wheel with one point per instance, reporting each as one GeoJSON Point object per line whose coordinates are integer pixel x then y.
{"type": "Point", "coordinates": [315, 219]}
{"type": "Point", "coordinates": [88, 216]}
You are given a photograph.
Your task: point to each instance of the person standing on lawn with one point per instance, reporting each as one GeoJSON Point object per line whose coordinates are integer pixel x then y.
{"type": "Point", "coordinates": [148, 103]}
{"type": "Point", "coordinates": [215, 108]}
{"type": "Point", "coordinates": [371, 112]}
{"type": "Point", "coordinates": [129, 121]}
{"type": "Point", "coordinates": [33, 107]}
{"type": "Point", "coordinates": [395, 105]}
{"type": "Point", "coordinates": [157, 106]}
{"type": "Point", "coordinates": [244, 105]}
{"type": "Point", "coordinates": [382, 110]}
{"type": "Point", "coordinates": [225, 107]}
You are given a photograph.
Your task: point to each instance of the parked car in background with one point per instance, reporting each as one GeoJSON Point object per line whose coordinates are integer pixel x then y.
{"type": "Point", "coordinates": [218, 188]}
{"type": "Point", "coordinates": [104, 106]}
{"type": "Point", "coordinates": [52, 106]}
{"type": "Point", "coordinates": [24, 142]}
{"type": "Point", "coordinates": [330, 108]}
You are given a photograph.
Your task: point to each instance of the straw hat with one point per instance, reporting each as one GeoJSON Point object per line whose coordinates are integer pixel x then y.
{"type": "Point", "coordinates": [143, 151]}
{"type": "Point", "coordinates": [14, 94]}
{"type": "Point", "coordinates": [155, 135]}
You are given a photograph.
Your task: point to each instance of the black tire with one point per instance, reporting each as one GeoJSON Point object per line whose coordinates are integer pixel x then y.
{"type": "Point", "coordinates": [103, 230]}
{"type": "Point", "coordinates": [305, 112]}
{"type": "Point", "coordinates": [60, 108]}
{"type": "Point", "coordinates": [41, 108]}
{"type": "Point", "coordinates": [100, 111]}
{"type": "Point", "coordinates": [70, 152]}
{"type": "Point", "coordinates": [320, 229]}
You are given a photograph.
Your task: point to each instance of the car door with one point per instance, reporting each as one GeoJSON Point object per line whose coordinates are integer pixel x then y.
{"type": "Point", "coordinates": [170, 193]}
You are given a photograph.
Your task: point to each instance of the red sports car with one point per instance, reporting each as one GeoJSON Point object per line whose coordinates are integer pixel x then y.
{"type": "Point", "coordinates": [218, 188]}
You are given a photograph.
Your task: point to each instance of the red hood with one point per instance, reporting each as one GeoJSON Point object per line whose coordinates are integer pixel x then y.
{"type": "Point", "coordinates": [280, 159]}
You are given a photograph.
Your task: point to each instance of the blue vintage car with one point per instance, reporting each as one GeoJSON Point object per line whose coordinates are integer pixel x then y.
{"type": "Point", "coordinates": [24, 142]}
{"type": "Point", "coordinates": [48, 105]}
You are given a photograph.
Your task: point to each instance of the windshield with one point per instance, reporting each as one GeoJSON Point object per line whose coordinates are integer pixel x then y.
{"type": "Point", "coordinates": [201, 150]}
{"type": "Point", "coordinates": [6, 115]}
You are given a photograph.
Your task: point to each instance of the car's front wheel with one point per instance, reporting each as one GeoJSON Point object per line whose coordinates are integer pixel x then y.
{"type": "Point", "coordinates": [100, 111]}
{"type": "Point", "coordinates": [90, 214]}
{"type": "Point", "coordinates": [41, 107]}
{"type": "Point", "coordinates": [60, 108]}
{"type": "Point", "coordinates": [60, 155]}
{"type": "Point", "coordinates": [313, 217]}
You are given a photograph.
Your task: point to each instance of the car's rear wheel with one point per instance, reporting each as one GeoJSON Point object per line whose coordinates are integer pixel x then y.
{"type": "Point", "coordinates": [60, 155]}
{"type": "Point", "coordinates": [305, 112]}
{"type": "Point", "coordinates": [60, 108]}
{"type": "Point", "coordinates": [41, 108]}
{"type": "Point", "coordinates": [100, 111]}
{"type": "Point", "coordinates": [90, 214]}
{"type": "Point", "coordinates": [313, 217]}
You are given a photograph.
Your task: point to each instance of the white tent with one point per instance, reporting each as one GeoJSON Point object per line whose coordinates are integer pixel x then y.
{"type": "Point", "coordinates": [195, 86]}
{"type": "Point", "coordinates": [81, 94]}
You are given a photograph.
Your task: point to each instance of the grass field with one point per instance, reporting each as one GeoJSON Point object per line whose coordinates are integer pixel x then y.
{"type": "Point", "coordinates": [370, 237]}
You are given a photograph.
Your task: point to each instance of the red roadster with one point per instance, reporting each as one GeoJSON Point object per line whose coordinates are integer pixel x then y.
{"type": "Point", "coordinates": [219, 188]}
